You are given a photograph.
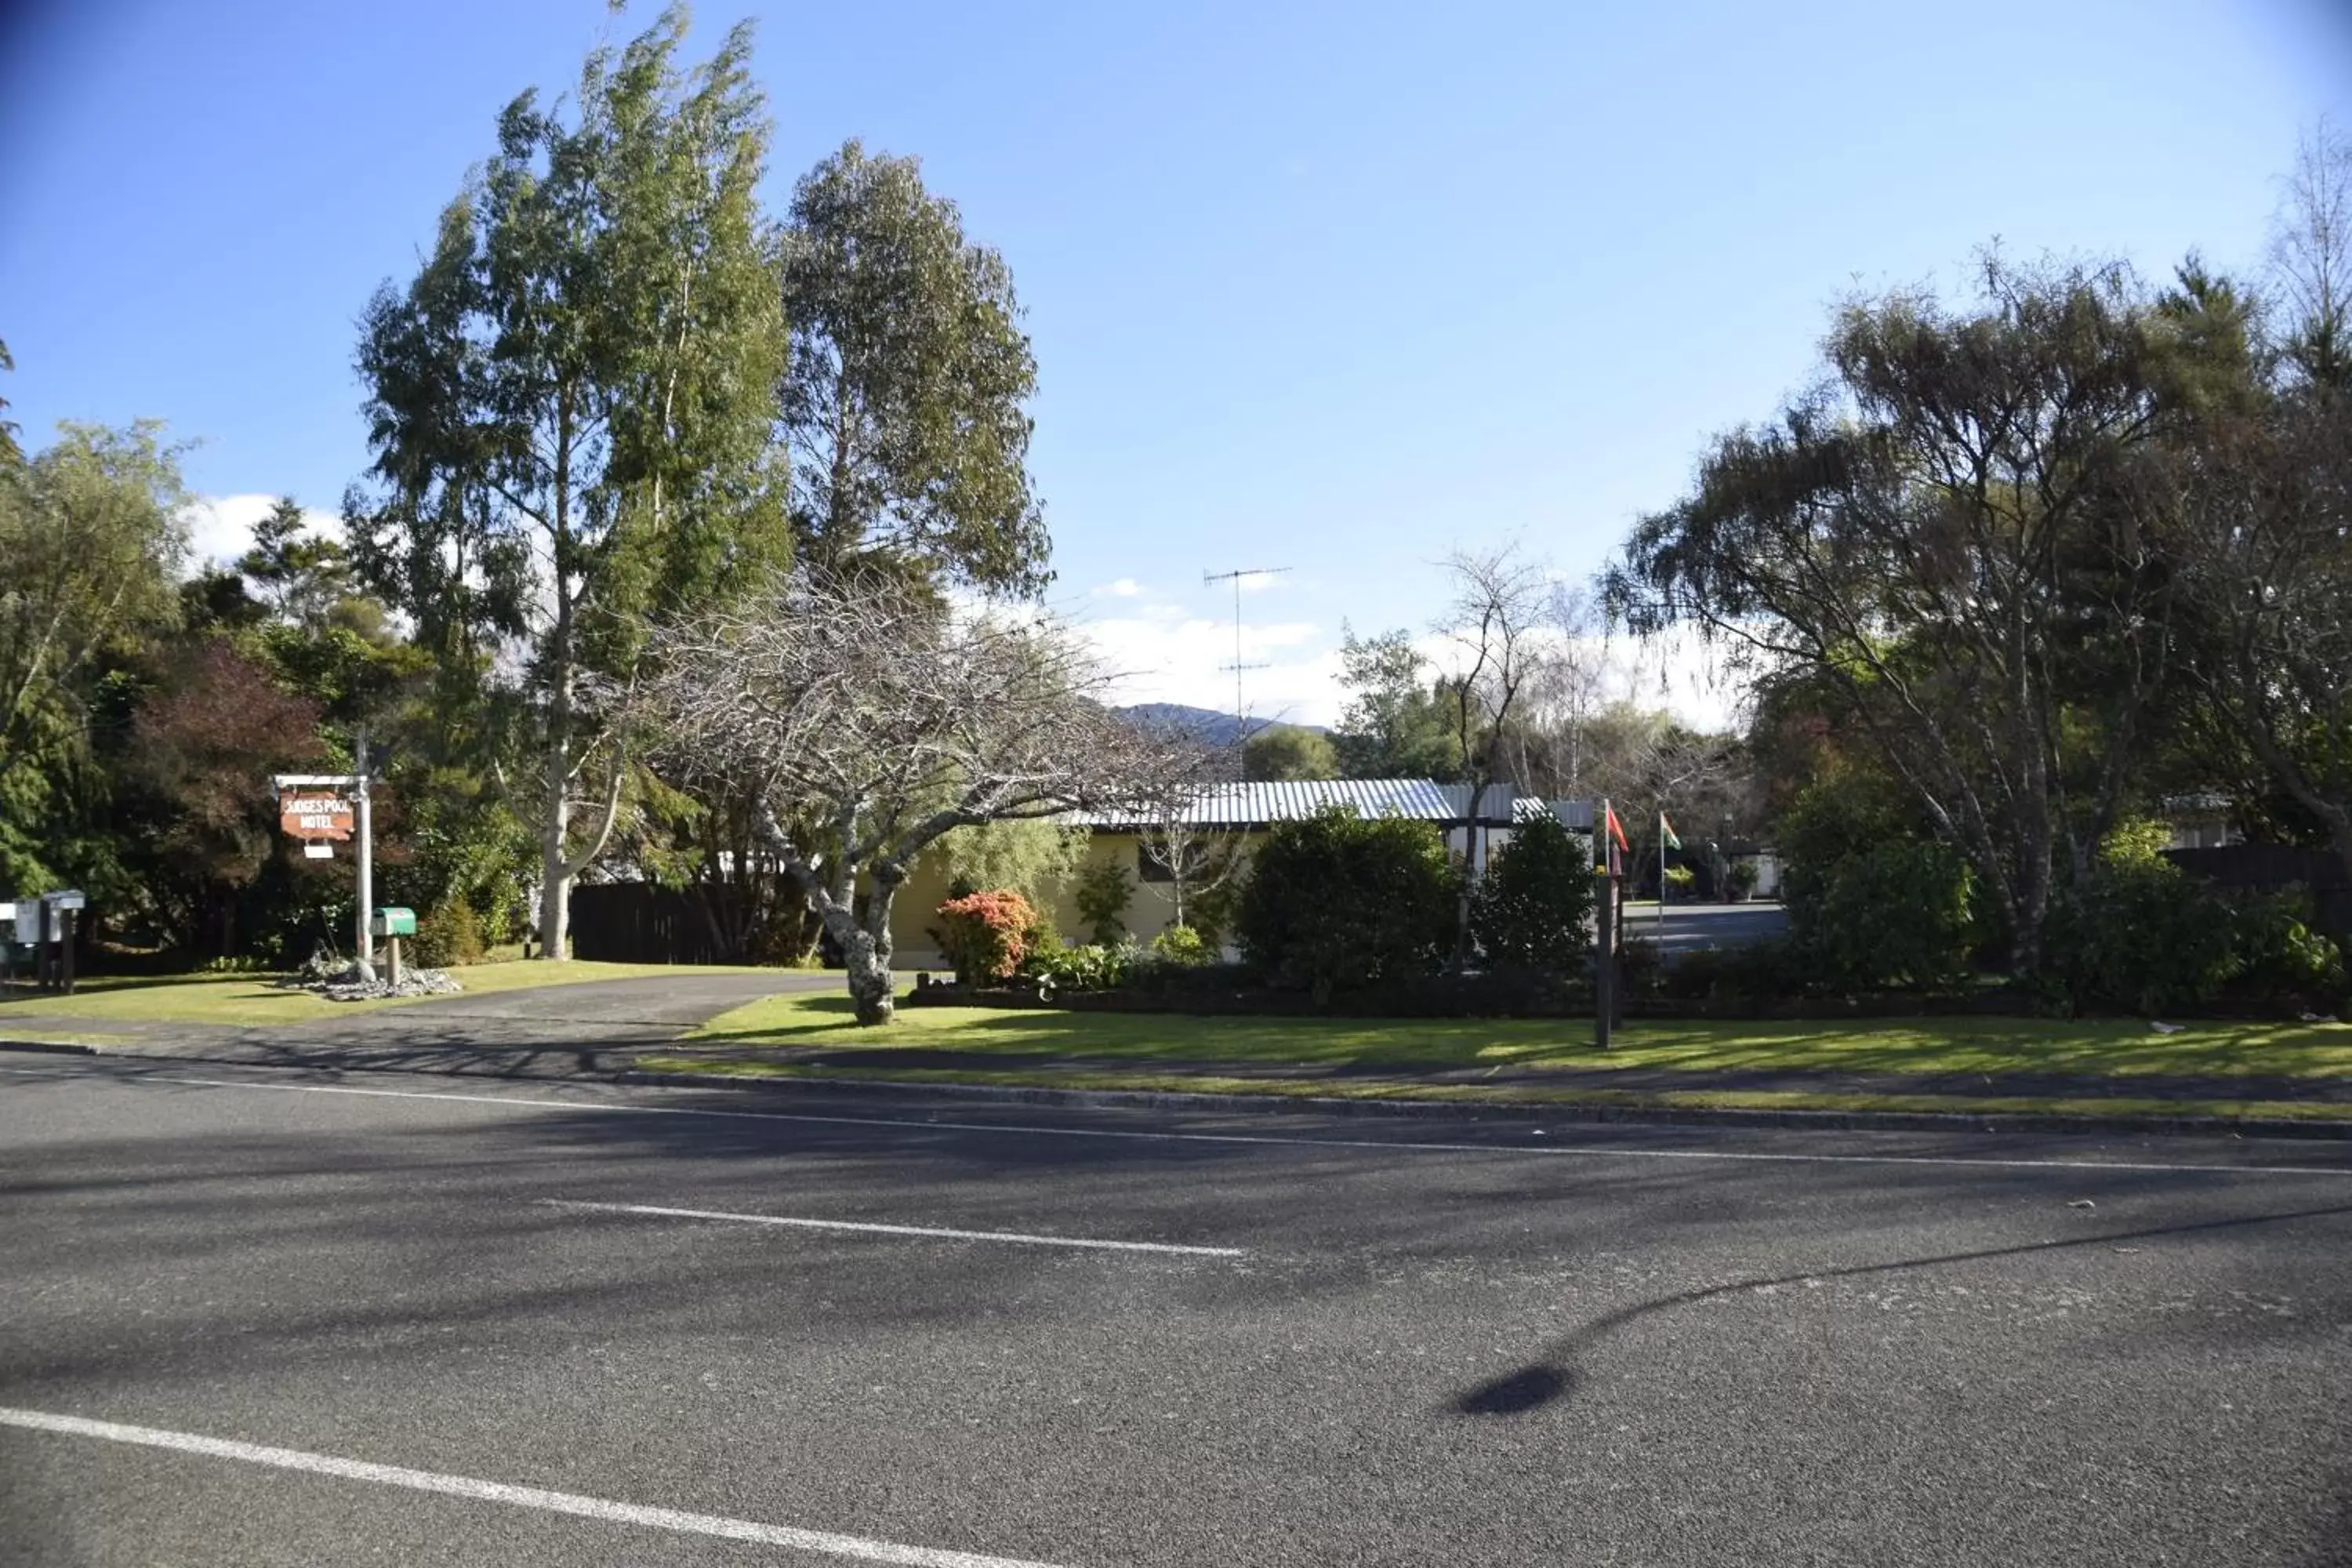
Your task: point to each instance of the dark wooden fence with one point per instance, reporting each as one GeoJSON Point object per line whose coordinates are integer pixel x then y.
{"type": "Point", "coordinates": [637, 922]}
{"type": "Point", "coordinates": [2272, 868]}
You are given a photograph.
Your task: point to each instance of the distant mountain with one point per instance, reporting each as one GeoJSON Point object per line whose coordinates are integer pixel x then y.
{"type": "Point", "coordinates": [1206, 725]}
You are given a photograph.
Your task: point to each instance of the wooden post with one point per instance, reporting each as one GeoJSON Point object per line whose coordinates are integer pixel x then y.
{"type": "Point", "coordinates": [1604, 958]}
{"type": "Point", "coordinates": [367, 853]}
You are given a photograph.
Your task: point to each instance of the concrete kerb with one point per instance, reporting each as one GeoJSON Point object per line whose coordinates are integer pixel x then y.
{"type": "Point", "coordinates": [1322, 1105]}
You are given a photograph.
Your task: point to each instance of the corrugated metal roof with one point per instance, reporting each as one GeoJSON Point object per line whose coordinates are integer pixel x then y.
{"type": "Point", "coordinates": [1497, 810]}
{"type": "Point", "coordinates": [1574, 814]}
{"type": "Point", "coordinates": [1255, 805]}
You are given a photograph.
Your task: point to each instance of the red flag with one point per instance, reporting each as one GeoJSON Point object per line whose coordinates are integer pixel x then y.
{"type": "Point", "coordinates": [1616, 828]}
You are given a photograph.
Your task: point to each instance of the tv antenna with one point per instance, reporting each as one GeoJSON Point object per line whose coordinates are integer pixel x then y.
{"type": "Point", "coordinates": [1210, 579]}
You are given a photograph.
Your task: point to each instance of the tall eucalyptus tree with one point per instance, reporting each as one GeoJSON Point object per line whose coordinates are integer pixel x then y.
{"type": "Point", "coordinates": [905, 408]}
{"type": "Point", "coordinates": [570, 409]}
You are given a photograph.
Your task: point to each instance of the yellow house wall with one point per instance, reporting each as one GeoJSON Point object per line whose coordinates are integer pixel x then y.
{"type": "Point", "coordinates": [1149, 908]}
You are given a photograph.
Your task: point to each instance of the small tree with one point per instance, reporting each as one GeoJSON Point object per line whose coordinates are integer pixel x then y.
{"type": "Point", "coordinates": [1104, 890]}
{"type": "Point", "coordinates": [1198, 858]}
{"type": "Point", "coordinates": [1337, 903]}
{"type": "Point", "coordinates": [1535, 904]}
{"type": "Point", "coordinates": [204, 747]}
{"type": "Point", "coordinates": [986, 935]}
{"type": "Point", "coordinates": [866, 706]}
{"type": "Point", "coordinates": [1498, 624]}
{"type": "Point", "coordinates": [1393, 727]}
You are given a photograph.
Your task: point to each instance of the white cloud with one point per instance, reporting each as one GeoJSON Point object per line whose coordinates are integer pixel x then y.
{"type": "Point", "coordinates": [1680, 673]}
{"type": "Point", "coordinates": [1677, 672]}
{"type": "Point", "coordinates": [1125, 588]}
{"type": "Point", "coordinates": [220, 528]}
{"type": "Point", "coordinates": [1159, 651]}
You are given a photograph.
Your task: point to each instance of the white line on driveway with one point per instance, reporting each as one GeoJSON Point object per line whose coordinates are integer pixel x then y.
{"type": "Point", "coordinates": [852, 1546]}
{"type": "Point", "coordinates": [1576, 1151]}
{"type": "Point", "coordinates": [902, 1230]}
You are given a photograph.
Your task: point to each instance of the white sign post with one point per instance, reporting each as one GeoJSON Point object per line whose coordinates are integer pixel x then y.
{"type": "Point", "coordinates": [358, 783]}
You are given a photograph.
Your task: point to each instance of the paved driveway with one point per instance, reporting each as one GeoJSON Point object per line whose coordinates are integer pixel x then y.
{"type": "Point", "coordinates": [659, 1001]}
{"type": "Point", "coordinates": [596, 1026]}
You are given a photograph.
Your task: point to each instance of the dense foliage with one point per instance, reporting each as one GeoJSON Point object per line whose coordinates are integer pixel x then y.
{"type": "Point", "coordinates": [616, 386]}
{"type": "Point", "coordinates": [1338, 902]}
{"type": "Point", "coordinates": [1093, 966]}
{"type": "Point", "coordinates": [2029, 561]}
{"type": "Point", "coordinates": [1873, 901]}
{"type": "Point", "coordinates": [1533, 909]}
{"type": "Point", "coordinates": [1101, 894]}
{"type": "Point", "coordinates": [987, 936]}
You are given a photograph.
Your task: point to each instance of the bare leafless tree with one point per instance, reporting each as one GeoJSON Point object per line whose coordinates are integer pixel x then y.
{"type": "Point", "coordinates": [2311, 255]}
{"type": "Point", "coordinates": [1502, 626]}
{"type": "Point", "coordinates": [2263, 493]}
{"type": "Point", "coordinates": [1199, 856]}
{"type": "Point", "coordinates": [1547, 750]}
{"type": "Point", "coordinates": [865, 705]}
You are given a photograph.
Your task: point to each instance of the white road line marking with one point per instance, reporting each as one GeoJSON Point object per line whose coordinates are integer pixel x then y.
{"type": "Point", "coordinates": [1590, 1151]}
{"type": "Point", "coordinates": [853, 1546]}
{"type": "Point", "coordinates": [902, 1230]}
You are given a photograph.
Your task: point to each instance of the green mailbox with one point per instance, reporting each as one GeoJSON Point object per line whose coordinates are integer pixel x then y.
{"type": "Point", "coordinates": [392, 920]}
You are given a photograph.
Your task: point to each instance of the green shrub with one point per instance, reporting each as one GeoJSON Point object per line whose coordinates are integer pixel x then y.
{"type": "Point", "coordinates": [1531, 910]}
{"type": "Point", "coordinates": [446, 936]}
{"type": "Point", "coordinates": [1101, 895]}
{"type": "Point", "coordinates": [1872, 901]}
{"type": "Point", "coordinates": [1336, 902]}
{"type": "Point", "coordinates": [1680, 879]}
{"type": "Point", "coordinates": [1180, 944]}
{"type": "Point", "coordinates": [1741, 879]}
{"type": "Point", "coordinates": [1098, 966]}
{"type": "Point", "coordinates": [1772, 969]}
{"type": "Point", "coordinates": [2278, 960]}
{"type": "Point", "coordinates": [2140, 934]}
{"type": "Point", "coordinates": [985, 936]}
{"type": "Point", "coordinates": [1641, 967]}
{"type": "Point", "coordinates": [1210, 910]}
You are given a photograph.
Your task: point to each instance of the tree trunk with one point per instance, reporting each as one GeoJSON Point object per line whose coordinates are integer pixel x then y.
{"type": "Point", "coordinates": [869, 952]}
{"type": "Point", "coordinates": [554, 870]}
{"type": "Point", "coordinates": [870, 985]}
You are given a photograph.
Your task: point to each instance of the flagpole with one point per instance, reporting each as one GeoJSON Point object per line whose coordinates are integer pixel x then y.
{"type": "Point", "coordinates": [1662, 876]}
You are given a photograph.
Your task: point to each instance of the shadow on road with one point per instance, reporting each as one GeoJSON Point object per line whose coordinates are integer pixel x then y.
{"type": "Point", "coordinates": [1547, 1381]}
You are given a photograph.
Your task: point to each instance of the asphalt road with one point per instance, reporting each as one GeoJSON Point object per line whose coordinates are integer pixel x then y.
{"type": "Point", "coordinates": [1394, 1341]}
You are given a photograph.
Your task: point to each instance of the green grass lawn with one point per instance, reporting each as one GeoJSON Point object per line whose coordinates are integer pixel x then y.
{"type": "Point", "coordinates": [1923, 1045]}
{"type": "Point", "coordinates": [250, 1000]}
{"type": "Point", "coordinates": [1144, 1050]}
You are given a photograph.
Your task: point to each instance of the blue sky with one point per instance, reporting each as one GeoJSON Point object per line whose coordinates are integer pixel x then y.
{"type": "Point", "coordinates": [1335, 288]}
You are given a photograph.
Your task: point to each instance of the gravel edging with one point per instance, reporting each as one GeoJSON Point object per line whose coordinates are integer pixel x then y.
{"type": "Point", "coordinates": [1560, 1110]}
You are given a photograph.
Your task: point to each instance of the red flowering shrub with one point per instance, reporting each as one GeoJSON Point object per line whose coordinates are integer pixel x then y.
{"type": "Point", "coordinates": [986, 935]}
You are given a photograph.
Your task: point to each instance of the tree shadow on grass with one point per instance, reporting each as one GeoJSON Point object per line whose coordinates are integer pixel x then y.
{"type": "Point", "coordinates": [1547, 1381]}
